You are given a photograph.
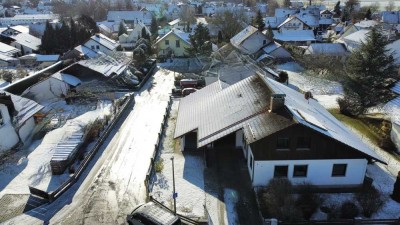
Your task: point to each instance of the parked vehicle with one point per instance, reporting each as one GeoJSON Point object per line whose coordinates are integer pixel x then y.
{"type": "Point", "coordinates": [152, 214]}
{"type": "Point", "coordinates": [187, 91]}
{"type": "Point", "coordinates": [188, 83]}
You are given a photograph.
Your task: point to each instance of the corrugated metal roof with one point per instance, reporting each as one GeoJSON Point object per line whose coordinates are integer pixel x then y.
{"type": "Point", "coordinates": [64, 150]}
{"type": "Point", "coordinates": [396, 88]}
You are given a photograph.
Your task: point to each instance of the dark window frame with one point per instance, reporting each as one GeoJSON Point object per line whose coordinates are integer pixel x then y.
{"type": "Point", "coordinates": [1, 119]}
{"type": "Point", "coordinates": [251, 161]}
{"type": "Point", "coordinates": [279, 174]}
{"type": "Point", "coordinates": [177, 43]}
{"type": "Point", "coordinates": [302, 143]}
{"type": "Point", "coordinates": [301, 173]}
{"type": "Point", "coordinates": [339, 170]}
{"type": "Point", "coordinates": [166, 42]}
{"type": "Point", "coordinates": [280, 145]}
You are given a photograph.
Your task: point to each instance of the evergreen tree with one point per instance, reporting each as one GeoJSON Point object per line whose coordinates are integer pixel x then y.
{"type": "Point", "coordinates": [259, 21]}
{"type": "Point", "coordinates": [368, 14]}
{"type": "Point", "coordinates": [57, 41]}
{"type": "Point", "coordinates": [337, 9]}
{"type": "Point", "coordinates": [200, 40]}
{"type": "Point", "coordinates": [145, 35]}
{"type": "Point", "coordinates": [220, 36]}
{"type": "Point", "coordinates": [270, 34]}
{"type": "Point", "coordinates": [372, 70]}
{"type": "Point", "coordinates": [64, 38]}
{"type": "Point", "coordinates": [47, 45]}
{"type": "Point", "coordinates": [122, 29]}
{"type": "Point", "coordinates": [154, 27]}
{"type": "Point", "coordinates": [73, 33]}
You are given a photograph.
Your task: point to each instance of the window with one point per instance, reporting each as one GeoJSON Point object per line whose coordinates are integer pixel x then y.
{"type": "Point", "coordinates": [166, 42]}
{"type": "Point", "coordinates": [304, 143]}
{"type": "Point", "coordinates": [178, 44]}
{"type": "Point", "coordinates": [251, 162]}
{"type": "Point", "coordinates": [97, 47]}
{"type": "Point", "coordinates": [283, 143]}
{"type": "Point", "coordinates": [264, 42]}
{"type": "Point", "coordinates": [280, 171]}
{"type": "Point", "coordinates": [300, 171]}
{"type": "Point", "coordinates": [92, 47]}
{"type": "Point", "coordinates": [339, 170]}
{"type": "Point", "coordinates": [1, 119]}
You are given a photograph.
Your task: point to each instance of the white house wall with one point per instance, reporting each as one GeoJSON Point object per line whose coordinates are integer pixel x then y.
{"type": "Point", "coordinates": [26, 49]}
{"type": "Point", "coordinates": [47, 89]}
{"type": "Point", "coordinates": [319, 171]}
{"type": "Point", "coordinates": [25, 131]}
{"type": "Point", "coordinates": [95, 46]}
{"type": "Point", "coordinates": [7, 130]}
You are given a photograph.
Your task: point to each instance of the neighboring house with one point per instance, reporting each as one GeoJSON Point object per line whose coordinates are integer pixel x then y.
{"type": "Point", "coordinates": [280, 132]}
{"type": "Point", "coordinates": [129, 40]}
{"type": "Point", "coordinates": [14, 30]}
{"type": "Point", "coordinates": [80, 52]}
{"type": "Point", "coordinates": [295, 37]}
{"type": "Point", "coordinates": [8, 61]}
{"type": "Point", "coordinates": [293, 23]}
{"type": "Point", "coordinates": [327, 49]}
{"type": "Point", "coordinates": [390, 17]}
{"type": "Point", "coordinates": [105, 30]}
{"type": "Point", "coordinates": [57, 85]}
{"type": "Point", "coordinates": [354, 40]}
{"type": "Point", "coordinates": [366, 24]}
{"type": "Point", "coordinates": [8, 50]}
{"type": "Point", "coordinates": [326, 19]}
{"type": "Point", "coordinates": [101, 43]}
{"type": "Point", "coordinates": [274, 50]}
{"type": "Point", "coordinates": [36, 59]}
{"type": "Point", "coordinates": [130, 17]}
{"type": "Point", "coordinates": [16, 119]}
{"type": "Point", "coordinates": [26, 43]}
{"type": "Point", "coordinates": [394, 48]}
{"type": "Point", "coordinates": [27, 19]}
{"type": "Point", "coordinates": [249, 40]}
{"type": "Point", "coordinates": [109, 27]}
{"type": "Point", "coordinates": [174, 42]}
{"type": "Point", "coordinates": [392, 109]}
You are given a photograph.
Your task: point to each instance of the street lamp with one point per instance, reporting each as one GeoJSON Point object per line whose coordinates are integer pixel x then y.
{"type": "Point", "coordinates": [174, 195]}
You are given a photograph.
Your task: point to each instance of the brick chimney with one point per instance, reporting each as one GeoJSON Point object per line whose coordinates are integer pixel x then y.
{"type": "Point", "coordinates": [277, 102]}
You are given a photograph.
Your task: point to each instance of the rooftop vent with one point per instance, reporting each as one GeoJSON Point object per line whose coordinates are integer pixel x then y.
{"type": "Point", "coordinates": [277, 101]}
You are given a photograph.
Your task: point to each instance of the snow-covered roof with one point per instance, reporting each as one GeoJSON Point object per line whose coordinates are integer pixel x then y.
{"type": "Point", "coordinates": [294, 35]}
{"type": "Point", "coordinates": [313, 115]}
{"type": "Point", "coordinates": [25, 108]}
{"type": "Point", "coordinates": [180, 34]}
{"type": "Point", "coordinates": [332, 49]}
{"type": "Point", "coordinates": [27, 40]}
{"type": "Point", "coordinates": [310, 20]}
{"type": "Point", "coordinates": [218, 110]}
{"type": "Point", "coordinates": [20, 28]}
{"type": "Point", "coordinates": [36, 16]}
{"type": "Point", "coordinates": [85, 51]}
{"type": "Point", "coordinates": [365, 24]}
{"type": "Point", "coordinates": [271, 47]}
{"type": "Point", "coordinates": [47, 58]}
{"type": "Point", "coordinates": [274, 22]}
{"type": "Point", "coordinates": [284, 12]}
{"type": "Point", "coordinates": [105, 27]}
{"type": "Point", "coordinates": [104, 41]}
{"type": "Point", "coordinates": [357, 37]}
{"type": "Point", "coordinates": [396, 88]}
{"type": "Point", "coordinates": [142, 16]}
{"type": "Point", "coordinates": [173, 22]}
{"type": "Point", "coordinates": [8, 49]}
{"type": "Point", "coordinates": [238, 39]}
{"type": "Point", "coordinates": [67, 78]}
{"type": "Point", "coordinates": [7, 58]}
{"type": "Point", "coordinates": [106, 65]}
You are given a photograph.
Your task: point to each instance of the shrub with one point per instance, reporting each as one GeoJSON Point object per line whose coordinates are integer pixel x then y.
{"type": "Point", "coordinates": [308, 202]}
{"type": "Point", "coordinates": [350, 105]}
{"type": "Point", "coordinates": [93, 130]}
{"type": "Point", "coordinates": [332, 211]}
{"type": "Point", "coordinates": [348, 210]}
{"type": "Point", "coordinates": [159, 165]}
{"type": "Point", "coordinates": [370, 200]}
{"type": "Point", "coordinates": [278, 199]}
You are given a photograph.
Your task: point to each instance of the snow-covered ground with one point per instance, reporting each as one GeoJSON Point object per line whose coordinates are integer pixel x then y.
{"type": "Point", "coordinates": [31, 166]}
{"type": "Point", "coordinates": [325, 91]}
{"type": "Point", "coordinates": [189, 177]}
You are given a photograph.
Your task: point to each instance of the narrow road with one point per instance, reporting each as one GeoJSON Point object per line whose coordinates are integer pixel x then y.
{"type": "Point", "coordinates": [114, 182]}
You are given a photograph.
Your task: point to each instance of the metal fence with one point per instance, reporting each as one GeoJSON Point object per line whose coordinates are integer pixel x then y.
{"type": "Point", "coordinates": [151, 171]}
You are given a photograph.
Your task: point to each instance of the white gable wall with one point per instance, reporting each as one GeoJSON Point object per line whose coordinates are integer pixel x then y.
{"type": "Point", "coordinates": [319, 171]}
{"type": "Point", "coordinates": [294, 24]}
{"type": "Point", "coordinates": [97, 47]}
{"type": "Point", "coordinates": [255, 42]}
{"type": "Point", "coordinates": [7, 130]}
{"type": "Point", "coordinates": [26, 49]}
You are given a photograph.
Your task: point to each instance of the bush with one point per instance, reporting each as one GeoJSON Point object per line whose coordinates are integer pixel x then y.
{"type": "Point", "coordinates": [308, 202]}
{"type": "Point", "coordinates": [348, 210]}
{"type": "Point", "coordinates": [93, 130]}
{"type": "Point", "coordinates": [370, 200]}
{"type": "Point", "coordinates": [279, 201]}
{"type": "Point", "coordinates": [159, 165]}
